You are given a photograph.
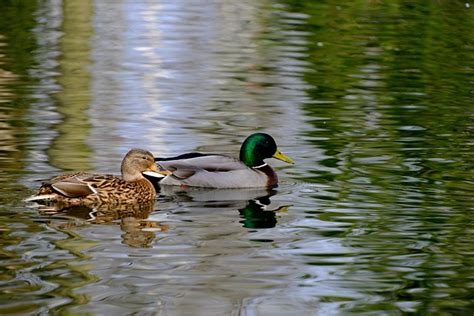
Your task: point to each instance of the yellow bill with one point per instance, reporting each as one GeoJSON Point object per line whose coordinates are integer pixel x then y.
{"type": "Point", "coordinates": [278, 155]}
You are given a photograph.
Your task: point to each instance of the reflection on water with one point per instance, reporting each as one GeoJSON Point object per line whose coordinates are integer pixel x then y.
{"type": "Point", "coordinates": [69, 149]}
{"type": "Point", "coordinates": [137, 230]}
{"type": "Point", "coordinates": [256, 215]}
{"type": "Point", "coordinates": [254, 205]}
{"type": "Point", "coordinates": [372, 99]}
{"type": "Point", "coordinates": [100, 214]}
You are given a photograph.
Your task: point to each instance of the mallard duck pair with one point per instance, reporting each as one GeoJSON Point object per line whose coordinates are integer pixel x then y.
{"type": "Point", "coordinates": [191, 169]}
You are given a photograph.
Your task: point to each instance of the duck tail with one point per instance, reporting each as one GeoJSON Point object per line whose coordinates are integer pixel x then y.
{"type": "Point", "coordinates": [43, 197]}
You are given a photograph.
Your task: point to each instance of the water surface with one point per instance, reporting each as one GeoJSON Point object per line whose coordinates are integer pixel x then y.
{"type": "Point", "coordinates": [374, 102]}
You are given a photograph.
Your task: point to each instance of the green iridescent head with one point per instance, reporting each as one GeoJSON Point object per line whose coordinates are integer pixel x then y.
{"type": "Point", "coordinates": [260, 146]}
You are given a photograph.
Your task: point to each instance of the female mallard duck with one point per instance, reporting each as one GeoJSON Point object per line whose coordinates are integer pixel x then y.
{"type": "Point", "coordinates": [81, 188]}
{"type": "Point", "coordinates": [219, 171]}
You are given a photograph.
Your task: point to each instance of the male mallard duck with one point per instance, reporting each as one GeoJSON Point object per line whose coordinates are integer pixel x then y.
{"type": "Point", "coordinates": [81, 188]}
{"type": "Point", "coordinates": [220, 171]}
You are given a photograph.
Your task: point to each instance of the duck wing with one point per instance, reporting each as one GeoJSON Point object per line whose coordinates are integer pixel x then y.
{"type": "Point", "coordinates": [84, 184]}
{"type": "Point", "coordinates": [73, 187]}
{"type": "Point", "coordinates": [186, 165]}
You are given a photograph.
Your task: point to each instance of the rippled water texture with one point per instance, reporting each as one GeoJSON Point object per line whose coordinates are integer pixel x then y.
{"type": "Point", "coordinates": [374, 100]}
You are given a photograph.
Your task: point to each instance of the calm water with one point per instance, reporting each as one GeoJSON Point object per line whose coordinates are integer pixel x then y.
{"type": "Point", "coordinates": [373, 99]}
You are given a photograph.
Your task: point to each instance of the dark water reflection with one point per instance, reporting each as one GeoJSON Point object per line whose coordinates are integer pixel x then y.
{"type": "Point", "coordinates": [374, 101]}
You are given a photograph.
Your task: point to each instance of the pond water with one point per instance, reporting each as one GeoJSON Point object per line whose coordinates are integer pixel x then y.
{"type": "Point", "coordinates": [374, 100]}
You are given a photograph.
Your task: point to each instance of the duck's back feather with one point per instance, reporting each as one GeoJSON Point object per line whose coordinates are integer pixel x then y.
{"type": "Point", "coordinates": [209, 162]}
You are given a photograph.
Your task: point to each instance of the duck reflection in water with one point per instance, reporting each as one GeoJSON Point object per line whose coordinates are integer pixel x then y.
{"type": "Point", "coordinates": [254, 205]}
{"type": "Point", "coordinates": [137, 230]}
{"type": "Point", "coordinates": [258, 214]}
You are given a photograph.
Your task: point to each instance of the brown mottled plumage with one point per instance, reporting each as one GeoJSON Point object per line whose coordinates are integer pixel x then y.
{"type": "Point", "coordinates": [81, 188]}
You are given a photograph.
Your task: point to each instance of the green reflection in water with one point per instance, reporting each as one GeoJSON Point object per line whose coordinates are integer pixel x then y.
{"type": "Point", "coordinates": [16, 46]}
{"type": "Point", "coordinates": [390, 78]}
{"type": "Point", "coordinates": [69, 149]}
{"type": "Point", "coordinates": [47, 276]}
{"type": "Point", "coordinates": [391, 104]}
{"type": "Point", "coordinates": [389, 88]}
{"type": "Point", "coordinates": [30, 281]}
{"type": "Point", "coordinates": [15, 32]}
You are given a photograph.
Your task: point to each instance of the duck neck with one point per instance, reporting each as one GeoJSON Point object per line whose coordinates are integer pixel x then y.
{"type": "Point", "coordinates": [130, 175]}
